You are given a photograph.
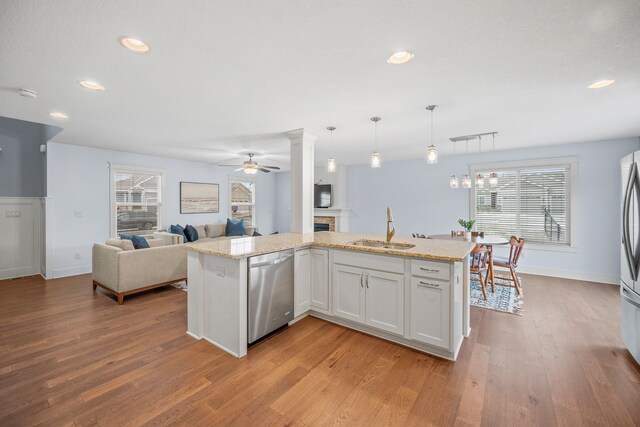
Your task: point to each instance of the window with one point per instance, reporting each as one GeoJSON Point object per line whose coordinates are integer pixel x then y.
{"type": "Point", "coordinates": [532, 200]}
{"type": "Point", "coordinates": [242, 201]}
{"type": "Point", "coordinates": [136, 195]}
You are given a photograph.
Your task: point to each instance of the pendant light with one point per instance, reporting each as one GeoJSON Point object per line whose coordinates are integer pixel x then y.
{"type": "Point", "coordinates": [432, 151]}
{"type": "Point", "coordinates": [375, 156]}
{"type": "Point", "coordinates": [493, 177]}
{"type": "Point", "coordinates": [331, 162]}
{"type": "Point", "coordinates": [453, 181]}
{"type": "Point", "coordinates": [479, 177]}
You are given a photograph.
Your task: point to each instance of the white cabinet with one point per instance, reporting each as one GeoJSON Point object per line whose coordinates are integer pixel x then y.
{"type": "Point", "coordinates": [385, 301]}
{"type": "Point", "coordinates": [371, 297]}
{"type": "Point", "coordinates": [302, 289]}
{"type": "Point", "coordinates": [319, 279]}
{"type": "Point", "coordinates": [349, 293]}
{"type": "Point", "coordinates": [430, 322]}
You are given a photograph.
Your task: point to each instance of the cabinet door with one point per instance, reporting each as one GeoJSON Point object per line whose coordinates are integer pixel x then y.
{"type": "Point", "coordinates": [302, 289]}
{"type": "Point", "coordinates": [348, 293]}
{"type": "Point", "coordinates": [430, 312]}
{"type": "Point", "coordinates": [385, 301]}
{"type": "Point", "coordinates": [320, 278]}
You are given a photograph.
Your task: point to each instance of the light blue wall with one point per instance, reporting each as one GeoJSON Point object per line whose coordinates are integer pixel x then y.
{"type": "Point", "coordinates": [422, 201]}
{"type": "Point", "coordinates": [78, 180]}
{"type": "Point", "coordinates": [283, 202]}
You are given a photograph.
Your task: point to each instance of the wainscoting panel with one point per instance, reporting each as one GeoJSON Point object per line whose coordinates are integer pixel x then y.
{"type": "Point", "coordinates": [20, 237]}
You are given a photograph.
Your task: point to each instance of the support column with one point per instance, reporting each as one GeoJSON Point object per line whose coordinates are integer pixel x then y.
{"type": "Point", "coordinates": [302, 166]}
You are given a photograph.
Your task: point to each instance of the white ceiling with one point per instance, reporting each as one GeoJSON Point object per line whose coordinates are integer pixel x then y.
{"type": "Point", "coordinates": [229, 77]}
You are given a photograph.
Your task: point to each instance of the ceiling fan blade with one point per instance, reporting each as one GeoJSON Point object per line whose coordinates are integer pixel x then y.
{"type": "Point", "coordinates": [238, 170]}
{"type": "Point", "coordinates": [272, 167]}
{"type": "Point", "coordinates": [231, 166]}
{"type": "Point", "coordinates": [261, 169]}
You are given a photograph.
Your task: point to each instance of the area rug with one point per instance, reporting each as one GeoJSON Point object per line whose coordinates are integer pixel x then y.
{"type": "Point", "coordinates": [504, 299]}
{"type": "Point", "coordinates": [180, 285]}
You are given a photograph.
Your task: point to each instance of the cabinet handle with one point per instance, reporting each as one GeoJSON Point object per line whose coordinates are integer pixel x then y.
{"type": "Point", "coordinates": [361, 280]}
{"type": "Point", "coordinates": [367, 280]}
{"type": "Point", "coordinates": [428, 284]}
{"type": "Point", "coordinates": [429, 269]}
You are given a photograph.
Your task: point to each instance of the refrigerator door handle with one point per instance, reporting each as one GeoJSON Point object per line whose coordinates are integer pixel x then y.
{"type": "Point", "coordinates": [632, 183]}
{"type": "Point", "coordinates": [627, 297]}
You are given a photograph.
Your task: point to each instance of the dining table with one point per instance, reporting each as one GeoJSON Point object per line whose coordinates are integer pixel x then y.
{"type": "Point", "coordinates": [489, 240]}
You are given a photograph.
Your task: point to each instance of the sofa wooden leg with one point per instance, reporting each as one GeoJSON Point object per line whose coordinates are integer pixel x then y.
{"type": "Point", "coordinates": [120, 299]}
{"type": "Point", "coordinates": [95, 286]}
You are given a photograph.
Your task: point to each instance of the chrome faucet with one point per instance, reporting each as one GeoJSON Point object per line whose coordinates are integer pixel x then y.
{"type": "Point", "coordinates": [391, 230]}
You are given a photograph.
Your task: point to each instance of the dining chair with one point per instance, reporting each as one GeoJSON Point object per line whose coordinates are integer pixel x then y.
{"type": "Point", "coordinates": [480, 264]}
{"type": "Point", "coordinates": [511, 263]}
{"type": "Point", "coordinates": [477, 234]}
{"type": "Point", "coordinates": [418, 235]}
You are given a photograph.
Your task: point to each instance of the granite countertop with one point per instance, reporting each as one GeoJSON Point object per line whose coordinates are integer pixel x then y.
{"type": "Point", "coordinates": [243, 247]}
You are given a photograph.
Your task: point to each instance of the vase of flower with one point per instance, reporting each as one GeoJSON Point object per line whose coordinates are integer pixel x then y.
{"type": "Point", "coordinates": [468, 226]}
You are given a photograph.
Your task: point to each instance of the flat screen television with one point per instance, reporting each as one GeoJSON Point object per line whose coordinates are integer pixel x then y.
{"type": "Point", "coordinates": [322, 196]}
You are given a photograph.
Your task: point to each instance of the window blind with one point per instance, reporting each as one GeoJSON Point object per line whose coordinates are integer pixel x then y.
{"type": "Point", "coordinates": [530, 202]}
{"type": "Point", "coordinates": [242, 201]}
{"type": "Point", "coordinates": [137, 201]}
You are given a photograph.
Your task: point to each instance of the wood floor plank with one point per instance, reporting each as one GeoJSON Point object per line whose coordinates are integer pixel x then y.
{"type": "Point", "coordinates": [72, 356]}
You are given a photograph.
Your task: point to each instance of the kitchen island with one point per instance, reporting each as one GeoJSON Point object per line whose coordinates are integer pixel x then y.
{"type": "Point", "coordinates": [414, 292]}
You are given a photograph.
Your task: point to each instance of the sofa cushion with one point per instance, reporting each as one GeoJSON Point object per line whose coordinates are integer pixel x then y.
{"type": "Point", "coordinates": [139, 242]}
{"type": "Point", "coordinates": [215, 230]}
{"type": "Point", "coordinates": [125, 245]}
{"type": "Point", "coordinates": [178, 229]}
{"type": "Point", "coordinates": [234, 227]}
{"type": "Point", "coordinates": [202, 232]}
{"type": "Point", "coordinates": [191, 233]}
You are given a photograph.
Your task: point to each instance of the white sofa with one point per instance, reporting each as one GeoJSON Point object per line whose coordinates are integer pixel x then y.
{"type": "Point", "coordinates": [123, 270]}
{"type": "Point", "coordinates": [206, 233]}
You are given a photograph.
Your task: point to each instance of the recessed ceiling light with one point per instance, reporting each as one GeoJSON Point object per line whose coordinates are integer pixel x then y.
{"type": "Point", "coordinates": [400, 57]}
{"type": "Point", "coordinates": [134, 45]}
{"type": "Point", "coordinates": [602, 83]}
{"type": "Point", "coordinates": [91, 85]}
{"type": "Point", "coordinates": [60, 116]}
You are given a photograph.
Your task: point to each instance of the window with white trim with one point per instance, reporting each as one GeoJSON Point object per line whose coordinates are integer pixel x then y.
{"type": "Point", "coordinates": [136, 200]}
{"type": "Point", "coordinates": [242, 200]}
{"type": "Point", "coordinates": [533, 200]}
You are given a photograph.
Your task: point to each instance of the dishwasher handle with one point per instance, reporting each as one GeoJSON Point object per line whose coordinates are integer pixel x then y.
{"type": "Point", "coordinates": [274, 262]}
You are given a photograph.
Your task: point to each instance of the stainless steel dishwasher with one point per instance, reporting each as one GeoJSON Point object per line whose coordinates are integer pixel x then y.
{"type": "Point", "coordinates": [270, 304]}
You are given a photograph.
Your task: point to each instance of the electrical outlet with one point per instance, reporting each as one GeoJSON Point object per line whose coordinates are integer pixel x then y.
{"type": "Point", "coordinates": [78, 256]}
{"type": "Point", "coordinates": [13, 214]}
{"type": "Point", "coordinates": [79, 214]}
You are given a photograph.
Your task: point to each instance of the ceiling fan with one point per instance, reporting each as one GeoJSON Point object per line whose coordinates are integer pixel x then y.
{"type": "Point", "coordinates": [251, 168]}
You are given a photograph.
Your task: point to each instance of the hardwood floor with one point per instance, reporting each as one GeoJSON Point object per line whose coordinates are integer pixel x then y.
{"type": "Point", "coordinates": [69, 356]}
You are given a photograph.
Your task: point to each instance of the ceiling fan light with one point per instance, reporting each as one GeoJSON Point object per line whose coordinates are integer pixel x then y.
{"type": "Point", "coordinates": [375, 159]}
{"type": "Point", "coordinates": [432, 154]}
{"type": "Point", "coordinates": [250, 168]}
{"type": "Point", "coordinates": [466, 181]}
{"type": "Point", "coordinates": [479, 181]}
{"type": "Point", "coordinates": [493, 179]}
{"type": "Point", "coordinates": [331, 165]}
{"type": "Point", "coordinates": [453, 182]}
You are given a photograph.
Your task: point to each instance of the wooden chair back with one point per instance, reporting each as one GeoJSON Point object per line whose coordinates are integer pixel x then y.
{"type": "Point", "coordinates": [418, 235]}
{"type": "Point", "coordinates": [477, 233]}
{"type": "Point", "coordinates": [480, 258]}
{"type": "Point", "coordinates": [516, 250]}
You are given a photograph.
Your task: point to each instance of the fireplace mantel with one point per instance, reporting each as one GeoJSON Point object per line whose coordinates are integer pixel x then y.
{"type": "Point", "coordinates": [341, 217]}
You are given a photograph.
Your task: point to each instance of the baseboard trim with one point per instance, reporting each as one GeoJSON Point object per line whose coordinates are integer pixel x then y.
{"type": "Point", "coordinates": [570, 274]}
{"type": "Point", "coordinates": [71, 271]}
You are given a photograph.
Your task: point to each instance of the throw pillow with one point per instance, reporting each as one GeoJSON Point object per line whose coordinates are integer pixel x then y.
{"type": "Point", "coordinates": [139, 242]}
{"type": "Point", "coordinates": [177, 229]}
{"type": "Point", "coordinates": [234, 228]}
{"type": "Point", "coordinates": [191, 233]}
{"type": "Point", "coordinates": [256, 234]}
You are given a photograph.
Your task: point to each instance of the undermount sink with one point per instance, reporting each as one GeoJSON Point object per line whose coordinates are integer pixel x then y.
{"type": "Point", "coordinates": [381, 244]}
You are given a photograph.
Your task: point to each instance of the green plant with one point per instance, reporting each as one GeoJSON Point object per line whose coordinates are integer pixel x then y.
{"type": "Point", "coordinates": [467, 225]}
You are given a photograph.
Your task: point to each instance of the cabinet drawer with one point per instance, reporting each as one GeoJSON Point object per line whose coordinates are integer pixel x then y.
{"type": "Point", "coordinates": [369, 261]}
{"type": "Point", "coordinates": [431, 269]}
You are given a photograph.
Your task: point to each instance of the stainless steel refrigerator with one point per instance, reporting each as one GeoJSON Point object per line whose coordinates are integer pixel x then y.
{"type": "Point", "coordinates": [630, 254]}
